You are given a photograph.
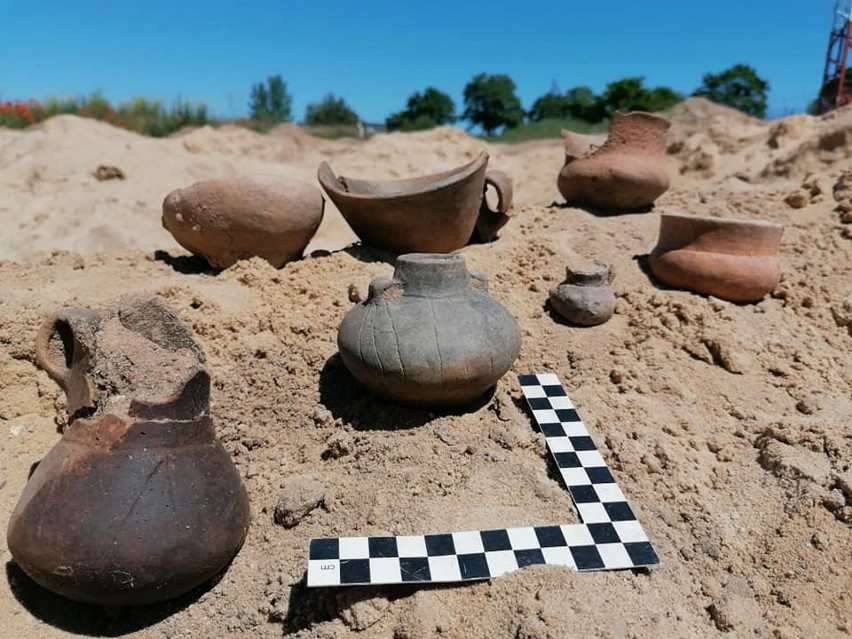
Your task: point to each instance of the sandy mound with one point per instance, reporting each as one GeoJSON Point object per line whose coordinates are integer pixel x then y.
{"type": "Point", "coordinates": [283, 144]}
{"type": "Point", "coordinates": [726, 425]}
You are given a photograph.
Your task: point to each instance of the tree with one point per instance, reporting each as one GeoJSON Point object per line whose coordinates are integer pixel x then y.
{"type": "Point", "coordinates": [579, 103]}
{"type": "Point", "coordinates": [490, 101]}
{"type": "Point", "coordinates": [330, 111]}
{"type": "Point", "coordinates": [550, 106]}
{"type": "Point", "coordinates": [739, 87]}
{"type": "Point", "coordinates": [630, 94]}
{"type": "Point", "coordinates": [271, 102]}
{"type": "Point", "coordinates": [423, 111]}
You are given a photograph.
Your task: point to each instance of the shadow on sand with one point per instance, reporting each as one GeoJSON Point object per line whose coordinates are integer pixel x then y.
{"type": "Point", "coordinates": [91, 619]}
{"type": "Point", "coordinates": [601, 212]}
{"type": "Point", "coordinates": [186, 264]}
{"type": "Point", "coordinates": [362, 409]}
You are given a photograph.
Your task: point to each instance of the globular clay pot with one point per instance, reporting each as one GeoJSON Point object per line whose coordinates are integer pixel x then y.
{"type": "Point", "coordinates": [228, 219]}
{"type": "Point", "coordinates": [431, 336]}
{"type": "Point", "coordinates": [585, 297]}
{"type": "Point", "coordinates": [138, 502]}
{"type": "Point", "coordinates": [736, 260]}
{"type": "Point", "coordinates": [627, 172]}
{"type": "Point", "coordinates": [437, 213]}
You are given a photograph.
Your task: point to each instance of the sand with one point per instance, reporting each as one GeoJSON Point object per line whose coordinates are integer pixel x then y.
{"type": "Point", "coordinates": [727, 425]}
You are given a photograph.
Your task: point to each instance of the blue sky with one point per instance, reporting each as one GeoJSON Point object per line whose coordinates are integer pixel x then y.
{"type": "Point", "coordinates": [375, 54]}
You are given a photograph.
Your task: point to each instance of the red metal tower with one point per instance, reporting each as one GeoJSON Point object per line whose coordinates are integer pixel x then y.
{"type": "Point", "coordinates": [835, 91]}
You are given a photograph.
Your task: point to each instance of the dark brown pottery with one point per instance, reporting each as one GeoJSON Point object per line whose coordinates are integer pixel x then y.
{"type": "Point", "coordinates": [138, 502]}
{"type": "Point", "coordinates": [437, 213]}
{"type": "Point", "coordinates": [431, 336]}
{"type": "Point", "coordinates": [736, 260]}
{"type": "Point", "coordinates": [627, 172]}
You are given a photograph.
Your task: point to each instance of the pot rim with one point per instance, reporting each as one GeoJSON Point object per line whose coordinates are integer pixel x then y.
{"type": "Point", "coordinates": [404, 188]}
{"type": "Point", "coordinates": [724, 221]}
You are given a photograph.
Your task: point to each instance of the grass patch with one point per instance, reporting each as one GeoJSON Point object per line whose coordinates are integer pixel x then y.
{"type": "Point", "coordinates": [148, 117]}
{"type": "Point", "coordinates": [546, 129]}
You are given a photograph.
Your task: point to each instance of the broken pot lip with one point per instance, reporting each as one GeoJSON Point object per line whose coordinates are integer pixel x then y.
{"type": "Point", "coordinates": [728, 236]}
{"type": "Point", "coordinates": [724, 221]}
{"type": "Point", "coordinates": [396, 189]}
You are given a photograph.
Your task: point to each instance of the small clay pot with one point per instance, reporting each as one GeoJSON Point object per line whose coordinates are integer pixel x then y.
{"type": "Point", "coordinates": [431, 336]}
{"type": "Point", "coordinates": [585, 297]}
{"type": "Point", "coordinates": [234, 218]}
{"type": "Point", "coordinates": [138, 502]}
{"type": "Point", "coordinates": [437, 213]}
{"type": "Point", "coordinates": [627, 172]}
{"type": "Point", "coordinates": [736, 260]}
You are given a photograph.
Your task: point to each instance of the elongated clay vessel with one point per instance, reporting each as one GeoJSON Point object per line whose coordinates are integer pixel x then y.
{"type": "Point", "coordinates": [431, 336]}
{"type": "Point", "coordinates": [228, 219]}
{"type": "Point", "coordinates": [138, 502]}
{"type": "Point", "coordinates": [736, 260]}
{"type": "Point", "coordinates": [626, 173]}
{"type": "Point", "coordinates": [585, 297]}
{"type": "Point", "coordinates": [437, 213]}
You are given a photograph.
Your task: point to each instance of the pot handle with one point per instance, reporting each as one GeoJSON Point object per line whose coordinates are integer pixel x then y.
{"type": "Point", "coordinates": [502, 183]}
{"type": "Point", "coordinates": [73, 379]}
{"type": "Point", "coordinates": [58, 373]}
{"type": "Point", "coordinates": [479, 281]}
{"type": "Point", "coordinates": [384, 288]}
{"type": "Point", "coordinates": [492, 220]}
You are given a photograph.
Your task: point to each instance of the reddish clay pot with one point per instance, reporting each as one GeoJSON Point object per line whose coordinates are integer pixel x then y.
{"type": "Point", "coordinates": [736, 260]}
{"type": "Point", "coordinates": [138, 502]}
{"type": "Point", "coordinates": [627, 172]}
{"type": "Point", "coordinates": [437, 213]}
{"type": "Point", "coordinates": [234, 218]}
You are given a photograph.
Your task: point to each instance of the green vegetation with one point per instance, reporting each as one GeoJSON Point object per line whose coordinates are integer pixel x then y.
{"type": "Point", "coordinates": [630, 94]}
{"type": "Point", "coordinates": [547, 129]}
{"type": "Point", "coordinates": [271, 103]}
{"type": "Point", "coordinates": [423, 111]}
{"type": "Point", "coordinates": [490, 101]}
{"type": "Point", "coordinates": [739, 87]}
{"type": "Point", "coordinates": [148, 117]}
{"type": "Point", "coordinates": [579, 103]}
{"type": "Point", "coordinates": [329, 112]}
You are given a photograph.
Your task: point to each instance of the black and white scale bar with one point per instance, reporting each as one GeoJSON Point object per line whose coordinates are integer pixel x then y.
{"type": "Point", "coordinates": [609, 538]}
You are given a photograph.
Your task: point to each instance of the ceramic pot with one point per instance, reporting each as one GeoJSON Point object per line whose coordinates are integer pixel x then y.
{"type": "Point", "coordinates": [437, 213]}
{"type": "Point", "coordinates": [585, 297]}
{"type": "Point", "coordinates": [627, 172]}
{"type": "Point", "coordinates": [138, 502]}
{"type": "Point", "coordinates": [736, 260]}
{"type": "Point", "coordinates": [431, 336]}
{"type": "Point", "coordinates": [228, 219]}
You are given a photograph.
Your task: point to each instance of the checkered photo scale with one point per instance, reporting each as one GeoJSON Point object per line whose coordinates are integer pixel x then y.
{"type": "Point", "coordinates": [610, 537]}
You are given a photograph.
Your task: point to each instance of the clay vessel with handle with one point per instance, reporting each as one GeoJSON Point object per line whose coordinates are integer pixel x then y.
{"type": "Point", "coordinates": [736, 260]}
{"type": "Point", "coordinates": [430, 336]}
{"type": "Point", "coordinates": [138, 501]}
{"type": "Point", "coordinates": [437, 213]}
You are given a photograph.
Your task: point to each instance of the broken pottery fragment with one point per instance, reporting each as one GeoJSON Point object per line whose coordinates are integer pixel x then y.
{"type": "Point", "coordinates": [234, 218]}
{"type": "Point", "coordinates": [736, 260]}
{"type": "Point", "coordinates": [585, 297]}
{"type": "Point", "coordinates": [138, 502]}
{"type": "Point", "coordinates": [431, 336]}
{"type": "Point", "coordinates": [627, 172]}
{"type": "Point", "coordinates": [437, 213]}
